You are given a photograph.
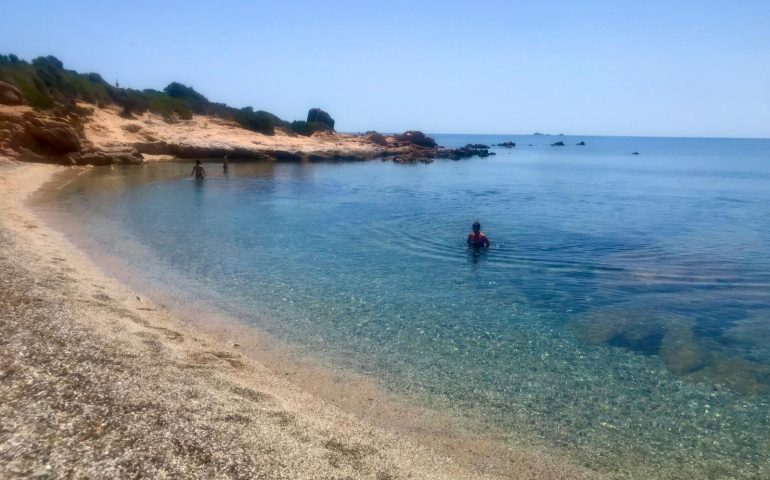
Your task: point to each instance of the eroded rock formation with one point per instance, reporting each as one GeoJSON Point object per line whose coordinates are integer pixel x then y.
{"type": "Point", "coordinates": [10, 95]}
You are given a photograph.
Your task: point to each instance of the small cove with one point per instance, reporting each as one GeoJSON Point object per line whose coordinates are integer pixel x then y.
{"type": "Point", "coordinates": [622, 316]}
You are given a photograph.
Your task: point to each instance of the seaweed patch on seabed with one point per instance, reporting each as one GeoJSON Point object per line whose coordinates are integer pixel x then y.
{"type": "Point", "coordinates": [673, 339]}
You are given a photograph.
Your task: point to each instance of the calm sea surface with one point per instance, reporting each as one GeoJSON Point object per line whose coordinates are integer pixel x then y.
{"type": "Point", "coordinates": [621, 317]}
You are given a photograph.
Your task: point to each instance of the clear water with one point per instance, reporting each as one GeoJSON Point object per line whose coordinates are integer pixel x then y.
{"type": "Point", "coordinates": [621, 317]}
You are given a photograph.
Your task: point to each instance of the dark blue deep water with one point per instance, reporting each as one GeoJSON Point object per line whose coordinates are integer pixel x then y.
{"type": "Point", "coordinates": [621, 317]}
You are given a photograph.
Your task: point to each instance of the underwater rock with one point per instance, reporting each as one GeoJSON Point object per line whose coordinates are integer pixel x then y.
{"type": "Point", "coordinates": [506, 144]}
{"type": "Point", "coordinates": [743, 376]}
{"type": "Point", "coordinates": [635, 330]}
{"type": "Point", "coordinates": [752, 331]}
{"type": "Point", "coordinates": [582, 144]}
{"type": "Point", "coordinates": [557, 144]}
{"type": "Point", "coordinates": [680, 351]}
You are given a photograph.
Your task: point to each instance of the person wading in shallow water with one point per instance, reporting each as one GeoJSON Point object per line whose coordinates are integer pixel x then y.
{"type": "Point", "coordinates": [198, 172]}
{"type": "Point", "coordinates": [476, 239]}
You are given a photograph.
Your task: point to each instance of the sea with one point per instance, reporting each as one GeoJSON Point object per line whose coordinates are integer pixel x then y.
{"type": "Point", "coordinates": [620, 318]}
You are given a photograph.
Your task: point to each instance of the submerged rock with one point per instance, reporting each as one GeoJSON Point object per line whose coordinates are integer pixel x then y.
{"type": "Point", "coordinates": [744, 376]}
{"type": "Point", "coordinates": [582, 144]}
{"type": "Point", "coordinates": [680, 351]}
{"type": "Point", "coordinates": [557, 144]}
{"type": "Point", "coordinates": [621, 327]}
{"type": "Point", "coordinates": [506, 144]}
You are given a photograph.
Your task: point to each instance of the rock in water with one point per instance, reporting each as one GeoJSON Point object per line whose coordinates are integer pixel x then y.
{"type": "Point", "coordinates": [680, 350]}
{"type": "Point", "coordinates": [318, 115]}
{"type": "Point", "coordinates": [10, 95]}
{"type": "Point", "coordinates": [557, 144]}
{"type": "Point", "coordinates": [582, 144]}
{"type": "Point", "coordinates": [416, 137]}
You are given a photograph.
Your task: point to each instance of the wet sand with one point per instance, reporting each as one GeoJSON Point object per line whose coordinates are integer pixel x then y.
{"type": "Point", "coordinates": [99, 381]}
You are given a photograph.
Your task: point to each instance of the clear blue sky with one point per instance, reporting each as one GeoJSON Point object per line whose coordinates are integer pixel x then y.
{"type": "Point", "coordinates": [673, 68]}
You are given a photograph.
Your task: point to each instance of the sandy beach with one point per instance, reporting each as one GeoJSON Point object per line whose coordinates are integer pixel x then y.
{"type": "Point", "coordinates": [100, 382]}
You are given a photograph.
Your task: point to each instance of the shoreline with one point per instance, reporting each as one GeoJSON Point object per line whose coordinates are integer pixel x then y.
{"type": "Point", "coordinates": [317, 435]}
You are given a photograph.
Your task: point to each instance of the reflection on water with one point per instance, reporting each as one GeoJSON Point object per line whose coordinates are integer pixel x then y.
{"type": "Point", "coordinates": [622, 315]}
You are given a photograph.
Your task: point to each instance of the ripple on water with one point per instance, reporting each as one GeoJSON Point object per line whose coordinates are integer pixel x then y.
{"type": "Point", "coordinates": [620, 317]}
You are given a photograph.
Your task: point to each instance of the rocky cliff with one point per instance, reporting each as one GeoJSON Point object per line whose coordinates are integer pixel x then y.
{"type": "Point", "coordinates": [90, 135]}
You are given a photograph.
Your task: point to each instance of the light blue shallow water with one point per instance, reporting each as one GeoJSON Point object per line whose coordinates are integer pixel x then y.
{"type": "Point", "coordinates": [622, 316]}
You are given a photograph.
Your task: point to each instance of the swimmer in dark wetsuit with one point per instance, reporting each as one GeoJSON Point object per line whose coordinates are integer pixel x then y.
{"type": "Point", "coordinates": [198, 171]}
{"type": "Point", "coordinates": [476, 239]}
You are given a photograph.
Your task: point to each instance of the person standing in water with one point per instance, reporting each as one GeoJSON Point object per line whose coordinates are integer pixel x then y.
{"type": "Point", "coordinates": [476, 239]}
{"type": "Point", "coordinates": [198, 171]}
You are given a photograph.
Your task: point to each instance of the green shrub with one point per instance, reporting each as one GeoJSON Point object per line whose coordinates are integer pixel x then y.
{"type": "Point", "coordinates": [44, 82]}
{"type": "Point", "coordinates": [259, 121]}
{"type": "Point", "coordinates": [316, 115]}
{"type": "Point", "coordinates": [308, 128]}
{"type": "Point", "coordinates": [193, 100]}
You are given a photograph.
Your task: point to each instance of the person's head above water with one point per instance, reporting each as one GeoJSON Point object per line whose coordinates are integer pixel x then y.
{"type": "Point", "coordinates": [476, 238]}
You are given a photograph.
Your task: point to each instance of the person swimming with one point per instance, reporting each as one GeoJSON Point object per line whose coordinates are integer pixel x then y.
{"type": "Point", "coordinates": [198, 171]}
{"type": "Point", "coordinates": [476, 239]}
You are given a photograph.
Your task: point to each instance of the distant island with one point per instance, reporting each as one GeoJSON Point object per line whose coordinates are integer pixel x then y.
{"type": "Point", "coordinates": [54, 115]}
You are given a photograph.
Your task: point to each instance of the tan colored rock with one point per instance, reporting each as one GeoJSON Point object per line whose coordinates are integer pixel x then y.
{"type": "Point", "coordinates": [53, 135]}
{"type": "Point", "coordinates": [10, 95]}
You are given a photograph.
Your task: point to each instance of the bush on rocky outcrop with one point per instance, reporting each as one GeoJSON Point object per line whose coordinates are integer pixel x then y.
{"type": "Point", "coordinates": [259, 121]}
{"type": "Point", "coordinates": [307, 128]}
{"type": "Point", "coordinates": [377, 138]}
{"type": "Point", "coordinates": [317, 115]}
{"type": "Point", "coordinates": [194, 100]}
{"type": "Point", "coordinates": [46, 84]}
{"type": "Point", "coordinates": [415, 137]}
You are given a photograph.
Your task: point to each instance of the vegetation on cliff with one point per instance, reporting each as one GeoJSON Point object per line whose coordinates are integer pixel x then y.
{"type": "Point", "coordinates": [46, 84]}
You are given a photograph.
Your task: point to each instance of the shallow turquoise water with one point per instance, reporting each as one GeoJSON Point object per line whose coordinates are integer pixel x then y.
{"type": "Point", "coordinates": [621, 317]}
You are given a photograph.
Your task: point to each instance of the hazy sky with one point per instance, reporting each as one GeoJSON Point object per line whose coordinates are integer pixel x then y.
{"type": "Point", "coordinates": [694, 68]}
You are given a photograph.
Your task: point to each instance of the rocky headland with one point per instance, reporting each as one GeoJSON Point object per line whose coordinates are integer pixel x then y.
{"type": "Point", "coordinates": [52, 115]}
{"type": "Point", "coordinates": [102, 136]}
